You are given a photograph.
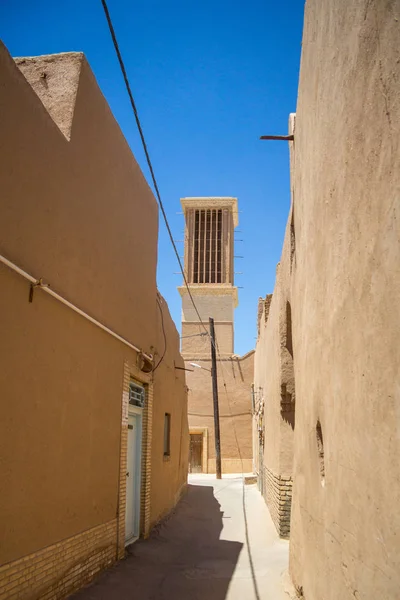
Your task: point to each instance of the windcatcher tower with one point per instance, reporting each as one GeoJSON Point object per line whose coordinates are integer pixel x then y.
{"type": "Point", "coordinates": [209, 270]}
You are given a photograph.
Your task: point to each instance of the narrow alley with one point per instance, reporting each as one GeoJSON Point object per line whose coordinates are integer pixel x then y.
{"type": "Point", "coordinates": [200, 275]}
{"type": "Point", "coordinates": [219, 543]}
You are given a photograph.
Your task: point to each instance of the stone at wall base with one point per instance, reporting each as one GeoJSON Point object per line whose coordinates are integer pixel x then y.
{"type": "Point", "coordinates": [250, 479]}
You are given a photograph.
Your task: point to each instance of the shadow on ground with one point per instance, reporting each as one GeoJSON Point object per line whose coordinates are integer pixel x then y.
{"type": "Point", "coordinates": [183, 558]}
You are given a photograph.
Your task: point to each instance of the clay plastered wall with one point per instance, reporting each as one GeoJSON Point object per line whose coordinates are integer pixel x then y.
{"type": "Point", "coordinates": [345, 541]}
{"type": "Point", "coordinates": [168, 475]}
{"type": "Point", "coordinates": [219, 306]}
{"type": "Point", "coordinates": [274, 382]}
{"type": "Point", "coordinates": [267, 385]}
{"type": "Point", "coordinates": [69, 213]}
{"type": "Point", "coordinates": [234, 399]}
{"type": "Point", "coordinates": [70, 207]}
{"type": "Point", "coordinates": [61, 421]}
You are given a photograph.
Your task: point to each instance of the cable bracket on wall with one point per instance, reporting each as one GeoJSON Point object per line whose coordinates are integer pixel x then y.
{"type": "Point", "coordinates": [280, 138]}
{"type": "Point", "coordinates": [183, 368]}
{"type": "Point", "coordinates": [39, 283]}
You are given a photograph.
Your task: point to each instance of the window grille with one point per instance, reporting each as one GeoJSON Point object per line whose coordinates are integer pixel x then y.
{"type": "Point", "coordinates": [207, 246]}
{"type": "Point", "coordinates": [136, 394]}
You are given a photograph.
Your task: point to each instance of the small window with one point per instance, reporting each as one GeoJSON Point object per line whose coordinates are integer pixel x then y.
{"type": "Point", "coordinates": [136, 394]}
{"type": "Point", "coordinates": [167, 434]}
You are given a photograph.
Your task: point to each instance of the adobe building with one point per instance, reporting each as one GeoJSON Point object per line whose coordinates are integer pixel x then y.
{"type": "Point", "coordinates": [209, 270]}
{"type": "Point", "coordinates": [274, 388]}
{"type": "Point", "coordinates": [93, 434]}
{"type": "Point", "coordinates": [328, 353]}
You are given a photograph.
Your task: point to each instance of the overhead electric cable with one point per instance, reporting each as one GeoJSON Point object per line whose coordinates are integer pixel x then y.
{"type": "Point", "coordinates": [139, 126]}
{"type": "Point", "coordinates": [164, 334]}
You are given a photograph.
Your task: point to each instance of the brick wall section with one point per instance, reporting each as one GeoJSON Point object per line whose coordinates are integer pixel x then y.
{"type": "Point", "coordinates": [123, 460]}
{"type": "Point", "coordinates": [122, 492]}
{"type": "Point", "coordinates": [146, 462]}
{"type": "Point", "coordinates": [263, 309]}
{"type": "Point", "coordinates": [59, 570]}
{"type": "Point", "coordinates": [278, 496]}
{"type": "Point", "coordinates": [132, 372]}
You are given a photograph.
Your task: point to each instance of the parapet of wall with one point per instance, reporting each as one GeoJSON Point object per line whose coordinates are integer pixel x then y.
{"type": "Point", "coordinates": [169, 473]}
{"type": "Point", "coordinates": [263, 311]}
{"type": "Point", "coordinates": [64, 164]}
{"type": "Point", "coordinates": [274, 390]}
{"type": "Point", "coordinates": [235, 377]}
{"type": "Point", "coordinates": [346, 310]}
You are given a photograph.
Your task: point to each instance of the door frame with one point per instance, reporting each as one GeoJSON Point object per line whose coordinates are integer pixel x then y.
{"type": "Point", "coordinates": [135, 411]}
{"type": "Point", "coordinates": [204, 432]}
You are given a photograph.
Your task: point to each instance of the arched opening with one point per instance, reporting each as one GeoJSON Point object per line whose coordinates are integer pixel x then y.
{"type": "Point", "coordinates": [288, 394]}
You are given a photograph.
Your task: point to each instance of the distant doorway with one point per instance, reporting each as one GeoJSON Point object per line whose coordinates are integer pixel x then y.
{"type": "Point", "coordinates": [196, 453]}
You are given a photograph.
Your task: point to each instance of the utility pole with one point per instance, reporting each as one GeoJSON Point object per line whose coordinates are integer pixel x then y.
{"type": "Point", "coordinates": [215, 399]}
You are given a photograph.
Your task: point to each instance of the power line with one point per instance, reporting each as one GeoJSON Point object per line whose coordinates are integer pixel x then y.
{"type": "Point", "coordinates": [229, 404]}
{"type": "Point", "coordinates": [183, 337]}
{"type": "Point", "coordinates": [164, 334]}
{"type": "Point", "coordinates": [149, 163]}
{"type": "Point", "coordinates": [139, 126]}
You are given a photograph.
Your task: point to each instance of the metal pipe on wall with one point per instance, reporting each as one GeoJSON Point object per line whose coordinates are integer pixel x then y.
{"type": "Point", "coordinates": [38, 283]}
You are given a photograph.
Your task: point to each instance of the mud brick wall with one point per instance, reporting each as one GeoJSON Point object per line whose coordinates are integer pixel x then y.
{"type": "Point", "coordinates": [278, 496]}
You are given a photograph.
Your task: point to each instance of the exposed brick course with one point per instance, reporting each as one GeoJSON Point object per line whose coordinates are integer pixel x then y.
{"type": "Point", "coordinates": [62, 568]}
{"type": "Point", "coordinates": [278, 496]}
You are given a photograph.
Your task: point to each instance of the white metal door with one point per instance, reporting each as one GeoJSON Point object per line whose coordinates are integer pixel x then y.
{"type": "Point", "coordinates": [132, 510]}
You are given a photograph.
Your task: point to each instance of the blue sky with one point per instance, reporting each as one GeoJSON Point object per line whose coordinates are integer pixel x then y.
{"type": "Point", "coordinates": [208, 78]}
